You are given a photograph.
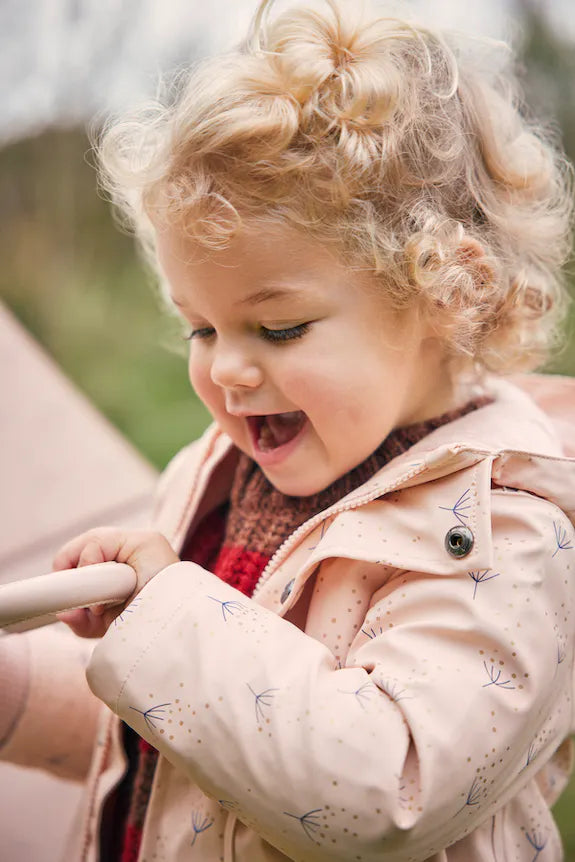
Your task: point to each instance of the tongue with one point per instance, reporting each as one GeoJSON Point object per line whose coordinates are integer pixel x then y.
{"type": "Point", "coordinates": [280, 428]}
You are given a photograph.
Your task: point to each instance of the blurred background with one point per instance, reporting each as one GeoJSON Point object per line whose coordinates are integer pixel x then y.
{"type": "Point", "coordinates": [72, 278]}
{"type": "Point", "coordinates": [67, 272]}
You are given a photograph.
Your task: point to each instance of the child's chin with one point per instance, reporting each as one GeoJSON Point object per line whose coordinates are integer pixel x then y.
{"type": "Point", "coordinates": [297, 486]}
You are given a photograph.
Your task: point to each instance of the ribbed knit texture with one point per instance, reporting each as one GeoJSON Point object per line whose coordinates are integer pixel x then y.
{"type": "Point", "coordinates": [260, 517]}
{"type": "Point", "coordinates": [237, 540]}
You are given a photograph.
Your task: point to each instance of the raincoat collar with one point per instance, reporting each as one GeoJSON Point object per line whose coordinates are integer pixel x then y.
{"type": "Point", "coordinates": [525, 443]}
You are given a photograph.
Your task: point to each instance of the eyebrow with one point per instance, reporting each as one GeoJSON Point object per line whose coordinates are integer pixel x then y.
{"type": "Point", "coordinates": [268, 293]}
{"type": "Point", "coordinates": [260, 296]}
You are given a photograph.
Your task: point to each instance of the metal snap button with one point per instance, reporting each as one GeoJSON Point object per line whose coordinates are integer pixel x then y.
{"type": "Point", "coordinates": [287, 591]}
{"type": "Point", "coordinates": [459, 541]}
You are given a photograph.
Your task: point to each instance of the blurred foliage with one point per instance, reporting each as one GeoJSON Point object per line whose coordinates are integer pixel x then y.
{"type": "Point", "coordinates": [548, 63]}
{"type": "Point", "coordinates": [75, 281]}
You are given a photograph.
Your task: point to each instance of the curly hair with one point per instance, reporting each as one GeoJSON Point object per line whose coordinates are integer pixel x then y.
{"type": "Point", "coordinates": [394, 144]}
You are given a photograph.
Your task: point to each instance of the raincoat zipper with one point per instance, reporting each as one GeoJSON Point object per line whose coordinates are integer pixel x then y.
{"type": "Point", "coordinates": [283, 550]}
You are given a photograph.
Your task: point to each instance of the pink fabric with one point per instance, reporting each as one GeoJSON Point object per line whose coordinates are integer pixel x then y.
{"type": "Point", "coordinates": [554, 394]}
{"type": "Point", "coordinates": [14, 682]}
{"type": "Point", "coordinates": [386, 697]}
{"type": "Point", "coordinates": [418, 696]}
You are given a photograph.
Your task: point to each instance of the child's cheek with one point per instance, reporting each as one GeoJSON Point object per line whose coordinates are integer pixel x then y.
{"type": "Point", "coordinates": [321, 393]}
{"type": "Point", "coordinates": [202, 384]}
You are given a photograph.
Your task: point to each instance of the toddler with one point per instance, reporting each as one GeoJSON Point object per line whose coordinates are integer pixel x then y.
{"type": "Point", "coordinates": [352, 636]}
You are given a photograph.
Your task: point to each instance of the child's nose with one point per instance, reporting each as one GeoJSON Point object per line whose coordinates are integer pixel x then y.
{"type": "Point", "coordinates": [231, 367]}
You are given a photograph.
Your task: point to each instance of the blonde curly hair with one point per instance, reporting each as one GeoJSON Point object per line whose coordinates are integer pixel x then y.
{"type": "Point", "coordinates": [385, 140]}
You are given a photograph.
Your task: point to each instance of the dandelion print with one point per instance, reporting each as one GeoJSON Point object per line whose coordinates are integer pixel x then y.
{"type": "Point", "coordinates": [393, 691]}
{"type": "Point", "coordinates": [363, 693]}
{"type": "Point", "coordinates": [473, 796]}
{"type": "Point", "coordinates": [262, 700]}
{"type": "Point", "coordinates": [532, 753]}
{"type": "Point", "coordinates": [480, 578]}
{"type": "Point", "coordinates": [537, 842]}
{"type": "Point", "coordinates": [371, 633]}
{"type": "Point", "coordinates": [562, 540]}
{"type": "Point", "coordinates": [230, 607]}
{"type": "Point", "coordinates": [495, 677]}
{"type": "Point", "coordinates": [129, 610]}
{"type": "Point", "coordinates": [460, 508]}
{"type": "Point", "coordinates": [309, 821]}
{"type": "Point", "coordinates": [153, 714]}
{"type": "Point", "coordinates": [199, 825]}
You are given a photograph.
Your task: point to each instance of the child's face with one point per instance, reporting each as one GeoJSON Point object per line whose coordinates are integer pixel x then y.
{"type": "Point", "coordinates": [298, 361]}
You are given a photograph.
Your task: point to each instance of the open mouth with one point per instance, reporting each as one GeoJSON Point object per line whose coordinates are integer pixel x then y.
{"type": "Point", "coordinates": [276, 429]}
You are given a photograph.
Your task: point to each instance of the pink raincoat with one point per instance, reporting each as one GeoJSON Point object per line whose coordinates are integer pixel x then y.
{"type": "Point", "coordinates": [400, 683]}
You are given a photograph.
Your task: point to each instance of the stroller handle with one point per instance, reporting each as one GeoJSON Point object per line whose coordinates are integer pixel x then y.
{"type": "Point", "coordinates": [33, 602]}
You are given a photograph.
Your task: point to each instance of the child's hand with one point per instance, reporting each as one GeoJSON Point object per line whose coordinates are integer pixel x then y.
{"type": "Point", "coordinates": [145, 551]}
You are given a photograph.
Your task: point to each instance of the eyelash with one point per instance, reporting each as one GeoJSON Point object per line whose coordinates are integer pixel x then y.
{"type": "Point", "coordinates": [274, 336]}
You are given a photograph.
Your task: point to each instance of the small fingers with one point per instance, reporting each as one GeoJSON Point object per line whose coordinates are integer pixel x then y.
{"type": "Point", "coordinates": [83, 623]}
{"type": "Point", "coordinates": [91, 553]}
{"type": "Point", "coordinates": [99, 545]}
{"type": "Point", "coordinates": [147, 552]}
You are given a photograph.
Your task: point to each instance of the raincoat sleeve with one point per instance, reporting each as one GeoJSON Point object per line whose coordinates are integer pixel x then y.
{"type": "Point", "coordinates": [432, 723]}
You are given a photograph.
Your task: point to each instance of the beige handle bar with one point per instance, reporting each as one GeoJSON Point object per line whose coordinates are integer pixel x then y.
{"type": "Point", "coordinates": [33, 602]}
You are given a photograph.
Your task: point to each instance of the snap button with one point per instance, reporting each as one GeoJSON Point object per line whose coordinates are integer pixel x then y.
{"type": "Point", "coordinates": [287, 591]}
{"type": "Point", "coordinates": [459, 541]}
